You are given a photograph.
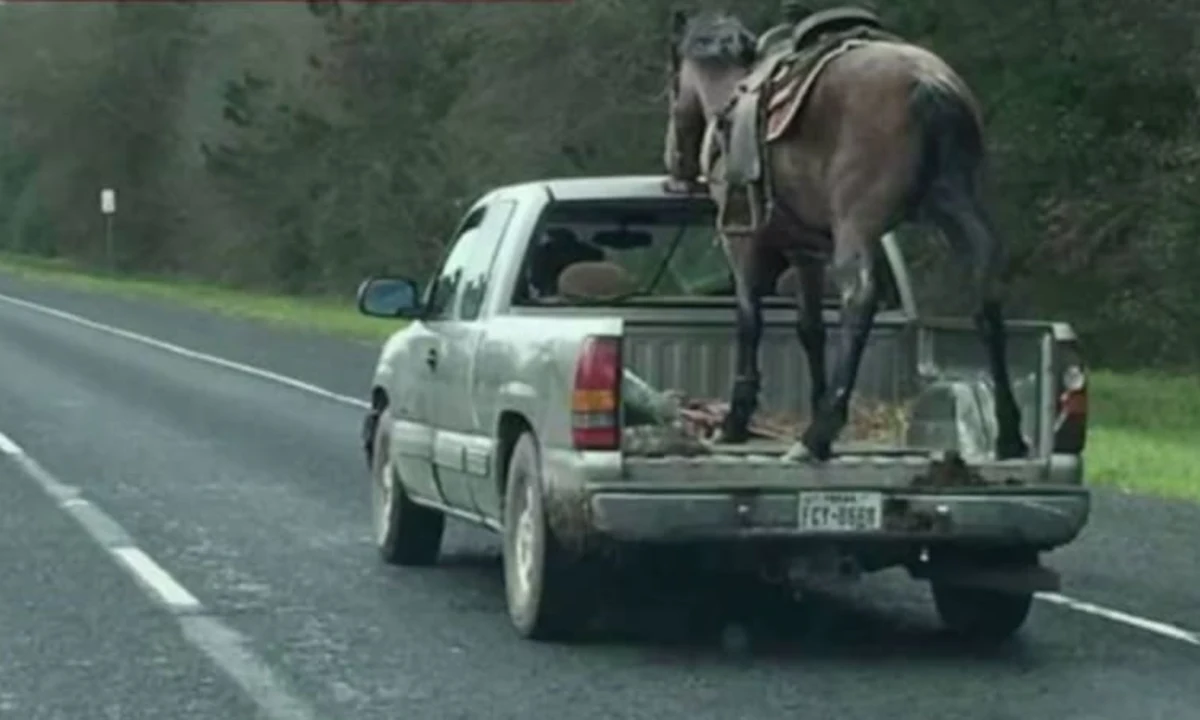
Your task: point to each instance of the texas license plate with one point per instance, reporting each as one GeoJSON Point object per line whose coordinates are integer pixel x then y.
{"type": "Point", "coordinates": [841, 511]}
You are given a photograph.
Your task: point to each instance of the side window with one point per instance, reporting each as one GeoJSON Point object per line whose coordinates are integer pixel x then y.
{"type": "Point", "coordinates": [463, 278]}
{"type": "Point", "coordinates": [477, 274]}
{"type": "Point", "coordinates": [440, 304]}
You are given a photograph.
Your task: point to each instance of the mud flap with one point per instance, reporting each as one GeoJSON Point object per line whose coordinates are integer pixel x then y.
{"type": "Point", "coordinates": [369, 424]}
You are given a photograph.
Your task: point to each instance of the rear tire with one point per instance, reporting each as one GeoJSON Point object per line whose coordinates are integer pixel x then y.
{"type": "Point", "coordinates": [546, 588]}
{"type": "Point", "coordinates": [981, 615]}
{"type": "Point", "coordinates": [405, 533]}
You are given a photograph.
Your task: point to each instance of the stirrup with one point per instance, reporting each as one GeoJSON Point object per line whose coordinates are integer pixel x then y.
{"type": "Point", "coordinates": [755, 206]}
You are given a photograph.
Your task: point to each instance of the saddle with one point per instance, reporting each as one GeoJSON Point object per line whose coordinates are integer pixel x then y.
{"type": "Point", "coordinates": [767, 102]}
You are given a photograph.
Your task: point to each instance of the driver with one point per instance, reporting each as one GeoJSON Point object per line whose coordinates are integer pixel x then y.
{"type": "Point", "coordinates": [559, 249]}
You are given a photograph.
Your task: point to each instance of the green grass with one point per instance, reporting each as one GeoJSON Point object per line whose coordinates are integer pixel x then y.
{"type": "Point", "coordinates": [1143, 435]}
{"type": "Point", "coordinates": [328, 315]}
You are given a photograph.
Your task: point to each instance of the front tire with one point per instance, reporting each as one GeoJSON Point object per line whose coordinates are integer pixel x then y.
{"type": "Point", "coordinates": [405, 533]}
{"type": "Point", "coordinates": [545, 586]}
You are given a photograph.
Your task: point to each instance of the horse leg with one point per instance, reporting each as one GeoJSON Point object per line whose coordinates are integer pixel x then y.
{"type": "Point", "coordinates": [747, 267]}
{"type": "Point", "coordinates": [965, 224]}
{"type": "Point", "coordinates": [810, 328]}
{"type": "Point", "coordinates": [855, 267]}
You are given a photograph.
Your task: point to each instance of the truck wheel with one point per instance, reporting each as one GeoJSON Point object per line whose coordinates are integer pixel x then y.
{"type": "Point", "coordinates": [405, 533]}
{"type": "Point", "coordinates": [545, 588]}
{"type": "Point", "coordinates": [978, 614]}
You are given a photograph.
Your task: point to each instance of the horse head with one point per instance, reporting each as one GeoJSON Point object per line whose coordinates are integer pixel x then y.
{"type": "Point", "coordinates": [705, 49]}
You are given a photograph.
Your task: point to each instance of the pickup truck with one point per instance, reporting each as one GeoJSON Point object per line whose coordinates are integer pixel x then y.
{"type": "Point", "coordinates": [505, 400]}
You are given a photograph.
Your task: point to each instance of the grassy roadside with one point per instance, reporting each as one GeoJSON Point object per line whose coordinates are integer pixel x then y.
{"type": "Point", "coordinates": [335, 316]}
{"type": "Point", "coordinates": [1142, 434]}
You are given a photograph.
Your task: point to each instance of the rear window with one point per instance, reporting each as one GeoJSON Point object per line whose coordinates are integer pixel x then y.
{"type": "Point", "coordinates": [666, 249]}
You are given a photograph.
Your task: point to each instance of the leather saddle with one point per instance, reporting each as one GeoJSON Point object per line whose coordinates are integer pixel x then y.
{"type": "Point", "coordinates": [766, 104]}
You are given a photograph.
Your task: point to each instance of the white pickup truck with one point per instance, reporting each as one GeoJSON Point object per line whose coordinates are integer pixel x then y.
{"type": "Point", "coordinates": [505, 400]}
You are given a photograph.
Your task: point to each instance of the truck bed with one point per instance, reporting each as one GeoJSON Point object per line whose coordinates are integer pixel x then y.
{"type": "Point", "coordinates": [932, 376]}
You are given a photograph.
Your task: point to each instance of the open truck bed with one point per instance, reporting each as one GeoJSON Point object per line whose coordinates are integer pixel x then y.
{"type": "Point", "coordinates": [935, 482]}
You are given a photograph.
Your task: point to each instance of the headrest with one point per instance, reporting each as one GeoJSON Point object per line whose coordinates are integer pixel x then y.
{"type": "Point", "coordinates": [559, 252]}
{"type": "Point", "coordinates": [595, 281]}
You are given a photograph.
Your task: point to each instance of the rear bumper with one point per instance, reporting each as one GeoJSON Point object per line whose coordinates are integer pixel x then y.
{"type": "Point", "coordinates": [1043, 518]}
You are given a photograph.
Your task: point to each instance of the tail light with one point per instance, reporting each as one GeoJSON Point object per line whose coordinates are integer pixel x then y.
{"type": "Point", "coordinates": [1070, 426]}
{"type": "Point", "coordinates": [596, 396]}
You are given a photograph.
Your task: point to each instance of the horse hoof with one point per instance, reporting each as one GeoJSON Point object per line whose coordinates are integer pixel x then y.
{"type": "Point", "coordinates": [798, 452]}
{"type": "Point", "coordinates": [730, 436]}
{"type": "Point", "coordinates": [720, 437]}
{"type": "Point", "coordinates": [675, 185]}
{"type": "Point", "coordinates": [1012, 449]}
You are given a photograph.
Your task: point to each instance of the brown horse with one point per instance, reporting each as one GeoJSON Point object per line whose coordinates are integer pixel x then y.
{"type": "Point", "coordinates": [887, 133]}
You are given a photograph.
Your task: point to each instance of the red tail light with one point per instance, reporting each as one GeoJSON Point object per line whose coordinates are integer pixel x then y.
{"type": "Point", "coordinates": [1070, 427]}
{"type": "Point", "coordinates": [596, 397]}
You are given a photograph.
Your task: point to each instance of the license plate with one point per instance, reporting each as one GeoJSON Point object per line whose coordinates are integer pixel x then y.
{"type": "Point", "coordinates": [841, 511]}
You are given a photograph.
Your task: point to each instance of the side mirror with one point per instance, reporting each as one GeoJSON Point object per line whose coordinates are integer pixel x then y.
{"type": "Point", "coordinates": [389, 297]}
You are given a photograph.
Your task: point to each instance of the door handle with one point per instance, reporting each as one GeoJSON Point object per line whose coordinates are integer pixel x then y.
{"type": "Point", "coordinates": [431, 358]}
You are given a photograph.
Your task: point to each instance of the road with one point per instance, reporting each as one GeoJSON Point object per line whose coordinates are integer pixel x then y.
{"type": "Point", "coordinates": [189, 538]}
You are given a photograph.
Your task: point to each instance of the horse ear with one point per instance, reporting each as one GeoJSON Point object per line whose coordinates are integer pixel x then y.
{"type": "Point", "coordinates": [749, 44]}
{"type": "Point", "coordinates": [678, 24]}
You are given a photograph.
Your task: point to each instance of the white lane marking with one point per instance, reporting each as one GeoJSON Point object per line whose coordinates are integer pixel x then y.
{"type": "Point", "coordinates": [152, 575]}
{"type": "Point", "coordinates": [231, 651]}
{"type": "Point", "coordinates": [8, 447]}
{"type": "Point", "coordinates": [187, 353]}
{"type": "Point", "coordinates": [1158, 628]}
{"type": "Point", "coordinates": [228, 649]}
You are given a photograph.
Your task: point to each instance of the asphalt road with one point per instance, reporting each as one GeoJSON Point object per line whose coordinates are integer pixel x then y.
{"type": "Point", "coordinates": [182, 539]}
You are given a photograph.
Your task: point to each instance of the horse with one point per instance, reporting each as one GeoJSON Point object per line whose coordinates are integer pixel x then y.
{"type": "Point", "coordinates": [883, 131]}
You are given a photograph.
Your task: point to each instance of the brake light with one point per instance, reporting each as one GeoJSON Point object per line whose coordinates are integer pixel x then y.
{"type": "Point", "coordinates": [596, 396]}
{"type": "Point", "coordinates": [1070, 426]}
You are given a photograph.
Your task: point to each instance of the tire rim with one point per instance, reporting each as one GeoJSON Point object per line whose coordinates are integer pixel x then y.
{"type": "Point", "coordinates": [384, 497]}
{"type": "Point", "coordinates": [524, 545]}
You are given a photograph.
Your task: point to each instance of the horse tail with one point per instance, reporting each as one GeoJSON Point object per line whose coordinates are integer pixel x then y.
{"type": "Point", "coordinates": [946, 193]}
{"type": "Point", "coordinates": [949, 140]}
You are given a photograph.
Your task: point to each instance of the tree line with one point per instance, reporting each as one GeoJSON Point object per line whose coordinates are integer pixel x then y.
{"type": "Point", "coordinates": [296, 147]}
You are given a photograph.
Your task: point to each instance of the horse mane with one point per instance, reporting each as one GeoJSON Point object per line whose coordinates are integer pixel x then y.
{"type": "Point", "coordinates": [717, 39]}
